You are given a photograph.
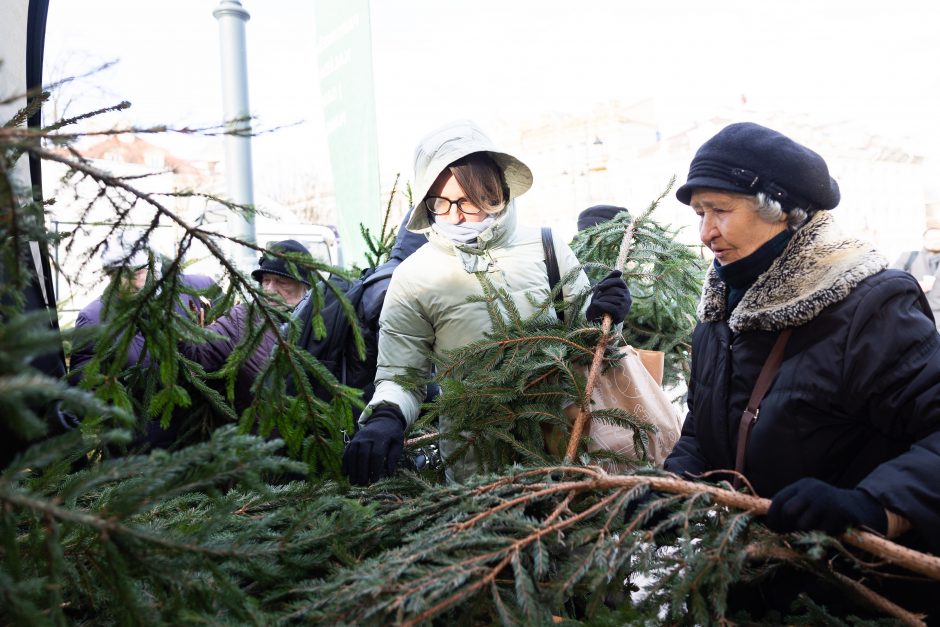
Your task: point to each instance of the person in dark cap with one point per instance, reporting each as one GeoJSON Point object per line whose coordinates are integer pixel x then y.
{"type": "Point", "coordinates": [282, 277]}
{"type": "Point", "coordinates": [335, 349]}
{"type": "Point", "coordinates": [924, 265]}
{"type": "Point", "coordinates": [849, 428]}
{"type": "Point", "coordinates": [597, 214]}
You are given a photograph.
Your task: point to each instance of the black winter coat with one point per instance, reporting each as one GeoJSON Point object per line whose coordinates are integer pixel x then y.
{"type": "Point", "coordinates": [336, 349]}
{"type": "Point", "coordinates": [856, 402]}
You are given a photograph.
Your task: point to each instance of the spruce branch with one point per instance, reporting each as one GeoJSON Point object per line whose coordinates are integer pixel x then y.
{"type": "Point", "coordinates": [380, 246]}
{"type": "Point", "coordinates": [583, 419]}
{"type": "Point", "coordinates": [503, 396]}
{"type": "Point", "coordinates": [915, 561]}
{"type": "Point", "coordinates": [115, 335]}
{"type": "Point", "coordinates": [108, 529]}
{"type": "Point", "coordinates": [880, 603]}
{"type": "Point", "coordinates": [582, 422]}
{"type": "Point", "coordinates": [121, 106]}
{"type": "Point", "coordinates": [665, 279]}
{"type": "Point", "coordinates": [523, 544]}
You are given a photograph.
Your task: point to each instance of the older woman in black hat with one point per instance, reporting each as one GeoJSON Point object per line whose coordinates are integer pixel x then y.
{"type": "Point", "coordinates": [815, 371]}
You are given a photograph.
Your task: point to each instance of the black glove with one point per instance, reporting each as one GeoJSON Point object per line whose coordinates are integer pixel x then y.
{"type": "Point", "coordinates": [813, 504]}
{"type": "Point", "coordinates": [376, 448]}
{"type": "Point", "coordinates": [611, 296]}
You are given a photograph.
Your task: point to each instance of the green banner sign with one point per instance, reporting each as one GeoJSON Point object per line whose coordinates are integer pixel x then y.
{"type": "Point", "coordinates": [344, 49]}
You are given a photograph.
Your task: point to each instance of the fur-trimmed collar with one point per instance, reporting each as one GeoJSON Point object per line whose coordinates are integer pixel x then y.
{"type": "Point", "coordinates": [819, 267]}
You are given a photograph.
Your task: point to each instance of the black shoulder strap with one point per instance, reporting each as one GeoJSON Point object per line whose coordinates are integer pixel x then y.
{"type": "Point", "coordinates": [910, 260]}
{"type": "Point", "coordinates": [749, 417]}
{"type": "Point", "coordinates": [378, 274]}
{"type": "Point", "coordinates": [551, 262]}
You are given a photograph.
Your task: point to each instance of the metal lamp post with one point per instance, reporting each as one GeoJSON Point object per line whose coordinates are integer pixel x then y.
{"type": "Point", "coordinates": [238, 171]}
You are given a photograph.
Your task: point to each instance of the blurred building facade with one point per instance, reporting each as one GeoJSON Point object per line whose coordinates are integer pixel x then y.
{"type": "Point", "coordinates": [82, 215]}
{"type": "Point", "coordinates": [626, 154]}
{"type": "Point", "coordinates": [612, 154]}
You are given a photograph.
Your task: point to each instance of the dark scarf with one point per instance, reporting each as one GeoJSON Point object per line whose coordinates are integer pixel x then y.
{"type": "Point", "coordinates": [740, 275]}
{"type": "Point", "coordinates": [932, 260]}
{"type": "Point", "coordinates": [819, 267]}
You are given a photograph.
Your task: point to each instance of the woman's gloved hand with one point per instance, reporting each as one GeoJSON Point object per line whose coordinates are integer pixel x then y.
{"type": "Point", "coordinates": [376, 448]}
{"type": "Point", "coordinates": [611, 296]}
{"type": "Point", "coordinates": [810, 504]}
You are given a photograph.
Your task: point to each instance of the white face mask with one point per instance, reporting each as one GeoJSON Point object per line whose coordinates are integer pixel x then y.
{"type": "Point", "coordinates": [465, 232]}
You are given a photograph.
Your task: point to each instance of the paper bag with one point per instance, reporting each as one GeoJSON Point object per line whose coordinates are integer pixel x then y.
{"type": "Point", "coordinates": [630, 386]}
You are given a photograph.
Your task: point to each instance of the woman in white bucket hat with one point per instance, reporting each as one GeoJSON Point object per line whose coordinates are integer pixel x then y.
{"type": "Point", "coordinates": [466, 191]}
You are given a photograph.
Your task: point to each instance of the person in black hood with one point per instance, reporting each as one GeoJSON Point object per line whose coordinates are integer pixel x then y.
{"type": "Point", "coordinates": [336, 350]}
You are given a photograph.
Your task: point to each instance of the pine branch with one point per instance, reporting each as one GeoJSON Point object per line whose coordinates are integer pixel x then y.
{"type": "Point", "coordinates": [665, 279]}
{"type": "Point", "coordinates": [494, 536]}
{"type": "Point", "coordinates": [880, 603]}
{"type": "Point", "coordinates": [583, 419]}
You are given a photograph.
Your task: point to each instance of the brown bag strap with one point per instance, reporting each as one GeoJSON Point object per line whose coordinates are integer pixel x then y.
{"type": "Point", "coordinates": [749, 417]}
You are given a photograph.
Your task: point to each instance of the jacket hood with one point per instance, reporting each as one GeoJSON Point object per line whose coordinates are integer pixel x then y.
{"type": "Point", "coordinates": [449, 143]}
{"type": "Point", "coordinates": [406, 242]}
{"type": "Point", "coordinates": [818, 268]}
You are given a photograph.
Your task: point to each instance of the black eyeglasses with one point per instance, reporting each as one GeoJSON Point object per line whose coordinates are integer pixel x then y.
{"type": "Point", "coordinates": [439, 205]}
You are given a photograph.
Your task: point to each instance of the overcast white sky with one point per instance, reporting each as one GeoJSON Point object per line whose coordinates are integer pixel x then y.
{"type": "Point", "coordinates": [501, 61]}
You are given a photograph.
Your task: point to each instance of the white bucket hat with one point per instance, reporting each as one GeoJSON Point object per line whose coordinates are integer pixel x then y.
{"type": "Point", "coordinates": [454, 141]}
{"type": "Point", "coordinates": [121, 250]}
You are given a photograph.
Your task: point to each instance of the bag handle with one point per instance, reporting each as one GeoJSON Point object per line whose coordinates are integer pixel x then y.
{"type": "Point", "coordinates": [749, 417]}
{"type": "Point", "coordinates": [551, 262]}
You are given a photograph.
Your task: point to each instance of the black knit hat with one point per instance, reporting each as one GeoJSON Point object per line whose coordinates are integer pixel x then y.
{"type": "Point", "coordinates": [269, 264]}
{"type": "Point", "coordinates": [597, 214]}
{"type": "Point", "coordinates": [747, 158]}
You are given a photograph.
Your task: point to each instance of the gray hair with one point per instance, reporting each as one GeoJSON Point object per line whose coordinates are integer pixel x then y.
{"type": "Point", "coordinates": [771, 211]}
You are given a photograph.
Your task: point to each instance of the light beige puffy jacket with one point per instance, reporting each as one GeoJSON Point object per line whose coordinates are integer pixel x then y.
{"type": "Point", "coordinates": [426, 306]}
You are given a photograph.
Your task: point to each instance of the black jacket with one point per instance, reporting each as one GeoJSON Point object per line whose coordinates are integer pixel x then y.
{"type": "Point", "coordinates": [336, 350]}
{"type": "Point", "coordinates": [856, 402]}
